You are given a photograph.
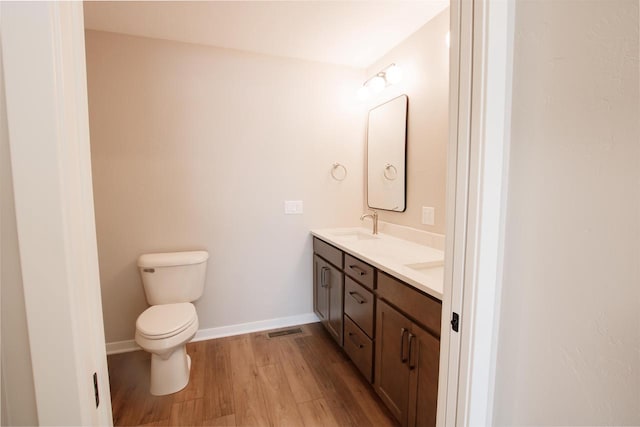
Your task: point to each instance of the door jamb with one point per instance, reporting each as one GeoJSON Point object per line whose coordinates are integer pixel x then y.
{"type": "Point", "coordinates": [482, 33]}
{"type": "Point", "coordinates": [47, 114]}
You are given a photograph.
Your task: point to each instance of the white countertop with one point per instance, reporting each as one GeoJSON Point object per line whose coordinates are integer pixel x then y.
{"type": "Point", "coordinates": [420, 266]}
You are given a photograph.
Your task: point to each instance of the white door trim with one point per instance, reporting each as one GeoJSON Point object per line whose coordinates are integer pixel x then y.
{"type": "Point", "coordinates": [47, 112]}
{"type": "Point", "coordinates": [481, 60]}
{"type": "Point", "coordinates": [460, 53]}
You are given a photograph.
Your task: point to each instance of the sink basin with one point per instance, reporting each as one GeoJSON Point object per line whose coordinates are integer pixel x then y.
{"type": "Point", "coordinates": [353, 235]}
{"type": "Point", "coordinates": [423, 266]}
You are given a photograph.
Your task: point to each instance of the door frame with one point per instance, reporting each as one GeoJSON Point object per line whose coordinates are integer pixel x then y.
{"type": "Point", "coordinates": [48, 123]}
{"type": "Point", "coordinates": [481, 58]}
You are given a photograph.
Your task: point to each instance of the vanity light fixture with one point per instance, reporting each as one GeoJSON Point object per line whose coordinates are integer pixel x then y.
{"type": "Point", "coordinates": [389, 75]}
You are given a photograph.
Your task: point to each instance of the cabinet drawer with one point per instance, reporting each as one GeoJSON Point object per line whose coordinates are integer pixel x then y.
{"type": "Point", "coordinates": [359, 348]}
{"type": "Point", "coordinates": [358, 305]}
{"type": "Point", "coordinates": [360, 271]}
{"type": "Point", "coordinates": [328, 252]}
{"type": "Point", "coordinates": [424, 309]}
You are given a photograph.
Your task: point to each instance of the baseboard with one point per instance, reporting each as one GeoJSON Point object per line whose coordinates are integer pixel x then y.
{"type": "Point", "coordinates": [261, 325]}
{"type": "Point", "coordinates": [117, 347]}
{"type": "Point", "coordinates": [226, 331]}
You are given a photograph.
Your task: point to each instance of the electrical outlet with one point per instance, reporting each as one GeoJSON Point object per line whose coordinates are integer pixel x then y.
{"type": "Point", "coordinates": [428, 215]}
{"type": "Point", "coordinates": [293, 207]}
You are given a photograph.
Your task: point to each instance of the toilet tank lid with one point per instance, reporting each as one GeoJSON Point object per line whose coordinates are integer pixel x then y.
{"type": "Point", "coordinates": [172, 259]}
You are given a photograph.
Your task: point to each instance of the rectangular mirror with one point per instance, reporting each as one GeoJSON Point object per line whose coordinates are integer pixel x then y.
{"type": "Point", "coordinates": [386, 155]}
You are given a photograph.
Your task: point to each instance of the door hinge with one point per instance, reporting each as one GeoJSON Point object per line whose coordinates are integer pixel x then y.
{"type": "Point", "coordinates": [455, 321]}
{"type": "Point", "coordinates": [95, 388]}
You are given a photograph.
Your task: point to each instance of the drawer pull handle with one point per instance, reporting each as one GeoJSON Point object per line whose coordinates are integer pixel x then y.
{"type": "Point", "coordinates": [403, 332]}
{"type": "Point", "coordinates": [356, 296]}
{"type": "Point", "coordinates": [412, 364]}
{"type": "Point", "coordinates": [359, 270]}
{"type": "Point", "coordinates": [353, 340]}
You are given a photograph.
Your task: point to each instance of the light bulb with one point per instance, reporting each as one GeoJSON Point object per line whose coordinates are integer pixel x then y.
{"type": "Point", "coordinates": [363, 93]}
{"type": "Point", "coordinates": [393, 74]}
{"type": "Point", "coordinates": [377, 84]}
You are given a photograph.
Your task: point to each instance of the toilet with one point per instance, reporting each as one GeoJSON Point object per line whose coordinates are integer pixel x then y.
{"type": "Point", "coordinates": [171, 282]}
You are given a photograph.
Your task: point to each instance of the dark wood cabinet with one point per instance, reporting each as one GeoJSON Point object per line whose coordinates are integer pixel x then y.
{"type": "Point", "coordinates": [328, 294]}
{"type": "Point", "coordinates": [390, 330]}
{"type": "Point", "coordinates": [359, 305]}
{"type": "Point", "coordinates": [407, 358]}
{"type": "Point", "coordinates": [359, 347]}
{"type": "Point", "coordinates": [392, 375]}
{"type": "Point", "coordinates": [360, 271]}
{"type": "Point", "coordinates": [359, 314]}
{"type": "Point", "coordinates": [424, 359]}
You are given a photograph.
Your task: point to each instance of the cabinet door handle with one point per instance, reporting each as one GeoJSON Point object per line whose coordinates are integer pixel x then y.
{"type": "Point", "coordinates": [323, 277]}
{"type": "Point", "coordinates": [356, 296]}
{"type": "Point", "coordinates": [412, 364]}
{"type": "Point", "coordinates": [353, 340]}
{"type": "Point", "coordinates": [403, 332]}
{"type": "Point", "coordinates": [359, 270]}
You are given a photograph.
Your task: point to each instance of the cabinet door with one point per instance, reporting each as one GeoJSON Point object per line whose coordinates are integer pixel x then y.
{"type": "Point", "coordinates": [423, 377]}
{"type": "Point", "coordinates": [391, 378]}
{"type": "Point", "coordinates": [335, 284]}
{"type": "Point", "coordinates": [320, 289]}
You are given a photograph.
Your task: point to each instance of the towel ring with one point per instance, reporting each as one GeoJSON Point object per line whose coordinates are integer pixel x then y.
{"type": "Point", "coordinates": [338, 177]}
{"type": "Point", "coordinates": [387, 167]}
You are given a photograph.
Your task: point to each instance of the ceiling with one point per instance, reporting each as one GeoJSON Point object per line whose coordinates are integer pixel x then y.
{"type": "Point", "coordinates": [352, 33]}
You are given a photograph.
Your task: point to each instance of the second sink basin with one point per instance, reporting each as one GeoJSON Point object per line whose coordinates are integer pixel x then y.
{"type": "Point", "coordinates": [422, 266]}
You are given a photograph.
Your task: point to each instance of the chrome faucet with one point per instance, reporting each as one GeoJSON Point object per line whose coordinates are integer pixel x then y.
{"type": "Point", "coordinates": [374, 217]}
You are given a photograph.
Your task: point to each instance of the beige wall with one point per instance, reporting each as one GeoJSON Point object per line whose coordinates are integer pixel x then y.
{"type": "Point", "coordinates": [197, 147]}
{"type": "Point", "coordinates": [569, 348]}
{"type": "Point", "coordinates": [18, 394]}
{"type": "Point", "coordinates": [424, 58]}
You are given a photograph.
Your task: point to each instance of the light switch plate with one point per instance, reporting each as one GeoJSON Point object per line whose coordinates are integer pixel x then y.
{"type": "Point", "coordinates": [428, 215]}
{"type": "Point", "coordinates": [293, 207]}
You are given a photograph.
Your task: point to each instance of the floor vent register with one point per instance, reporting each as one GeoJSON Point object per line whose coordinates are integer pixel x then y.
{"type": "Point", "coordinates": [284, 332]}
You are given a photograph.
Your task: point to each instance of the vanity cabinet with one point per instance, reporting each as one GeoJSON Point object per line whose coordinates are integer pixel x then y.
{"type": "Point", "coordinates": [389, 330]}
{"type": "Point", "coordinates": [328, 288]}
{"type": "Point", "coordinates": [407, 352]}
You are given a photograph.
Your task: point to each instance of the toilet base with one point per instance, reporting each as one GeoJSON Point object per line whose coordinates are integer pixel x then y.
{"type": "Point", "coordinates": [171, 374]}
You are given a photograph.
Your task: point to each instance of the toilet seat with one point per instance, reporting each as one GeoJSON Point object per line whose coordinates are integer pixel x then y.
{"type": "Point", "coordinates": [165, 320]}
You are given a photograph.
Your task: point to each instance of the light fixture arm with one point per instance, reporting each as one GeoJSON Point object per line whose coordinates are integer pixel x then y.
{"type": "Point", "coordinates": [382, 73]}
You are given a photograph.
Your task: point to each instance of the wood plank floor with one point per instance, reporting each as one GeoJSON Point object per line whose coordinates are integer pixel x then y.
{"type": "Point", "coordinates": [251, 380]}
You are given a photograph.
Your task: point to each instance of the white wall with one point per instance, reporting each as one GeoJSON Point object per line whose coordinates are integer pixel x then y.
{"type": "Point", "coordinates": [424, 58]}
{"type": "Point", "coordinates": [569, 346]}
{"type": "Point", "coordinates": [196, 147]}
{"type": "Point", "coordinates": [18, 395]}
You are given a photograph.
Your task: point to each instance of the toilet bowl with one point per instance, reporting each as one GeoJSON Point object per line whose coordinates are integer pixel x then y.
{"type": "Point", "coordinates": [163, 331]}
{"type": "Point", "coordinates": [171, 282]}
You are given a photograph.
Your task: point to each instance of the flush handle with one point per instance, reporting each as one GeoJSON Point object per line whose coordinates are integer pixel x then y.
{"type": "Point", "coordinates": [149, 270]}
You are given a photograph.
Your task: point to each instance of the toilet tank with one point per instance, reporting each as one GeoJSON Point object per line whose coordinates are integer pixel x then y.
{"type": "Point", "coordinates": [173, 277]}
